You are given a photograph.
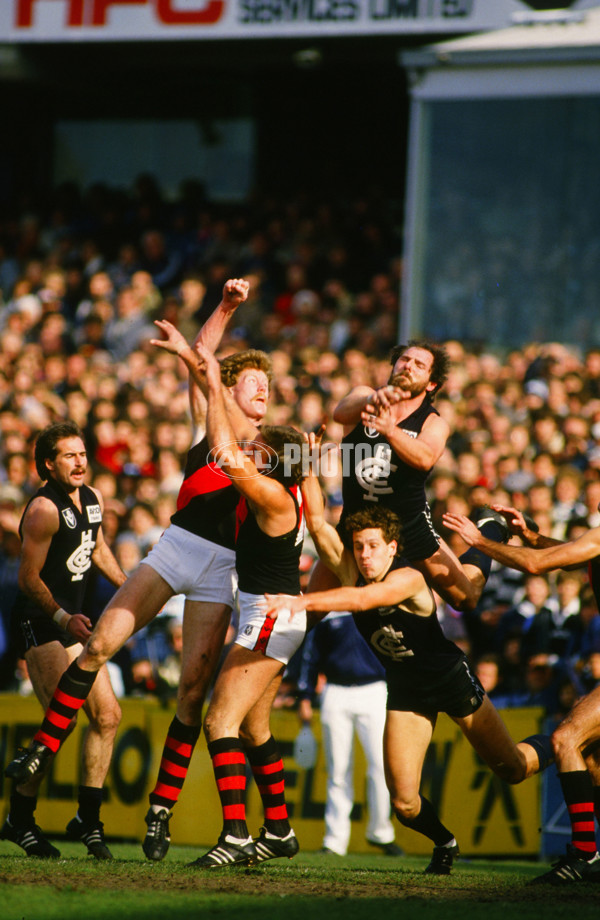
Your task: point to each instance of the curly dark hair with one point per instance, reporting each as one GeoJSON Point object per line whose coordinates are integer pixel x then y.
{"type": "Point", "coordinates": [289, 446]}
{"type": "Point", "coordinates": [441, 361]}
{"type": "Point", "coordinates": [45, 445]}
{"type": "Point", "coordinates": [379, 518]}
{"type": "Point", "coordinates": [233, 365]}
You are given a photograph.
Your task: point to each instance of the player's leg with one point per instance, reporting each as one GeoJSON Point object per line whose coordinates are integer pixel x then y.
{"type": "Point", "coordinates": [204, 630]}
{"type": "Point", "coordinates": [406, 738]}
{"type": "Point", "coordinates": [45, 664]}
{"type": "Point", "coordinates": [370, 714]}
{"type": "Point", "coordinates": [459, 581]}
{"type": "Point", "coordinates": [337, 734]}
{"type": "Point", "coordinates": [104, 714]}
{"type": "Point", "coordinates": [511, 761]}
{"type": "Point", "coordinates": [276, 838]}
{"type": "Point", "coordinates": [134, 605]}
{"type": "Point", "coordinates": [243, 678]}
{"type": "Point", "coordinates": [575, 744]}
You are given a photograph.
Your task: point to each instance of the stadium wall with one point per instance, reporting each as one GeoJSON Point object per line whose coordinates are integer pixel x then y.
{"type": "Point", "coordinates": [489, 817]}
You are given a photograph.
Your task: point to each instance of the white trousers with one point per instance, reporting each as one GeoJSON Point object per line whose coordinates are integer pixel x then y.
{"type": "Point", "coordinates": [346, 712]}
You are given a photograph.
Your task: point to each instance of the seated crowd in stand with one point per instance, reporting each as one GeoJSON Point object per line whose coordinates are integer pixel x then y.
{"type": "Point", "coordinates": [81, 282]}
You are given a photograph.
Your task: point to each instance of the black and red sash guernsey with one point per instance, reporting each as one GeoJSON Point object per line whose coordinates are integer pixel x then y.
{"type": "Point", "coordinates": [207, 499]}
{"type": "Point", "coordinates": [264, 563]}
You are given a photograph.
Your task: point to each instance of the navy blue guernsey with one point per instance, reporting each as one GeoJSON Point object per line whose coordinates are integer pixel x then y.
{"type": "Point", "coordinates": [411, 647]}
{"type": "Point", "coordinates": [377, 475]}
{"type": "Point", "coordinates": [268, 564]}
{"type": "Point", "coordinates": [207, 499]}
{"type": "Point", "coordinates": [68, 563]}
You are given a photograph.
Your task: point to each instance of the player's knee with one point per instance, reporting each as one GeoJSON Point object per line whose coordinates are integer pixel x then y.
{"type": "Point", "coordinates": [95, 653]}
{"type": "Point", "coordinates": [406, 810]}
{"type": "Point", "coordinates": [562, 741]}
{"type": "Point", "coordinates": [107, 720]}
{"type": "Point", "coordinates": [191, 701]}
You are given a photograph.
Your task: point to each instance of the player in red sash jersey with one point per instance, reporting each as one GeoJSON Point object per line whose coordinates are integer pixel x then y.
{"type": "Point", "coordinates": [195, 556]}
{"type": "Point", "coordinates": [270, 531]}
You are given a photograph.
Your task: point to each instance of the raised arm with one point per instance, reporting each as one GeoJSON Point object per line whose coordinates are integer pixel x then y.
{"type": "Point", "coordinates": [526, 558]}
{"type": "Point", "coordinates": [421, 452]}
{"type": "Point", "coordinates": [235, 292]}
{"type": "Point", "coordinates": [175, 343]}
{"type": "Point", "coordinates": [348, 410]}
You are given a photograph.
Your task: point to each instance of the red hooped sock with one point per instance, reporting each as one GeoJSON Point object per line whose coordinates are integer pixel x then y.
{"type": "Point", "coordinates": [267, 769]}
{"type": "Point", "coordinates": [229, 764]}
{"type": "Point", "coordinates": [174, 765]}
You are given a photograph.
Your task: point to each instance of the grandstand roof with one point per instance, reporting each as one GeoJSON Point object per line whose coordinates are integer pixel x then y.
{"type": "Point", "coordinates": [569, 36]}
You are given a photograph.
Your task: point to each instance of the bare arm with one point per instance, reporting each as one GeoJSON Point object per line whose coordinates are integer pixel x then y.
{"type": "Point", "coordinates": [519, 528]}
{"type": "Point", "coordinates": [396, 587]}
{"type": "Point", "coordinates": [40, 525]}
{"type": "Point", "coordinates": [526, 558]}
{"type": "Point", "coordinates": [235, 292]}
{"type": "Point", "coordinates": [272, 504]}
{"type": "Point", "coordinates": [421, 452]}
{"type": "Point", "coordinates": [348, 410]}
{"type": "Point", "coordinates": [327, 541]}
{"type": "Point", "coordinates": [175, 343]}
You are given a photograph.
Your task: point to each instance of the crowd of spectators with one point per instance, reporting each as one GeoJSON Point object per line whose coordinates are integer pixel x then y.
{"type": "Point", "coordinates": [81, 281]}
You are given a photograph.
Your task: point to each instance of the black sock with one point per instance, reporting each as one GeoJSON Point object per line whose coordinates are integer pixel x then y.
{"type": "Point", "coordinates": [90, 800]}
{"type": "Point", "coordinates": [428, 824]}
{"type": "Point", "coordinates": [22, 808]}
{"type": "Point", "coordinates": [597, 803]}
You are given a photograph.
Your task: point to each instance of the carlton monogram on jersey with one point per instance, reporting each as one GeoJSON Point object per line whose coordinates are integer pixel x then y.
{"type": "Point", "coordinates": [80, 559]}
{"type": "Point", "coordinates": [389, 642]}
{"type": "Point", "coordinates": [373, 473]}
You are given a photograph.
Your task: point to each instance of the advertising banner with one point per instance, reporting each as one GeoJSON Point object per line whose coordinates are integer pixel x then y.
{"type": "Point", "coordinates": [132, 20]}
{"type": "Point", "coordinates": [487, 816]}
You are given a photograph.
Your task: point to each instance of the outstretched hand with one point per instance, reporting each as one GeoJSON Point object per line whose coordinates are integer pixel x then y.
{"type": "Point", "coordinates": [274, 604]}
{"type": "Point", "coordinates": [463, 526]}
{"type": "Point", "coordinates": [514, 518]}
{"type": "Point", "coordinates": [174, 341]}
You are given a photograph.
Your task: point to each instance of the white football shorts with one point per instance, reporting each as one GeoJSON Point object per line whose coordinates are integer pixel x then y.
{"type": "Point", "coordinates": [193, 566]}
{"type": "Point", "coordinates": [277, 639]}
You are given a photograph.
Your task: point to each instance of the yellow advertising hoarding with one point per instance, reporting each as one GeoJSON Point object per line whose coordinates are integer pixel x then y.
{"type": "Point", "coordinates": [487, 816]}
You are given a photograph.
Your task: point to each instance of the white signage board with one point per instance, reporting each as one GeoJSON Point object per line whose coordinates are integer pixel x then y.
{"type": "Point", "coordinates": [132, 20]}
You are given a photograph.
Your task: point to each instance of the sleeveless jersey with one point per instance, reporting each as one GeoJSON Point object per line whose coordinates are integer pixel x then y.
{"type": "Point", "coordinates": [411, 647]}
{"type": "Point", "coordinates": [264, 563]}
{"type": "Point", "coordinates": [378, 475]}
{"type": "Point", "coordinates": [207, 499]}
{"type": "Point", "coordinates": [68, 563]}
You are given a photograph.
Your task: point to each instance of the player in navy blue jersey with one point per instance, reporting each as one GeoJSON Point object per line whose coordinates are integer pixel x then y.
{"type": "Point", "coordinates": [576, 741]}
{"type": "Point", "coordinates": [61, 534]}
{"type": "Point", "coordinates": [393, 437]}
{"type": "Point", "coordinates": [426, 673]}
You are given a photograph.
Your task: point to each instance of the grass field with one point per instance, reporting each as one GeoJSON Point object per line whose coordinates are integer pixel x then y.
{"type": "Point", "coordinates": [311, 887]}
